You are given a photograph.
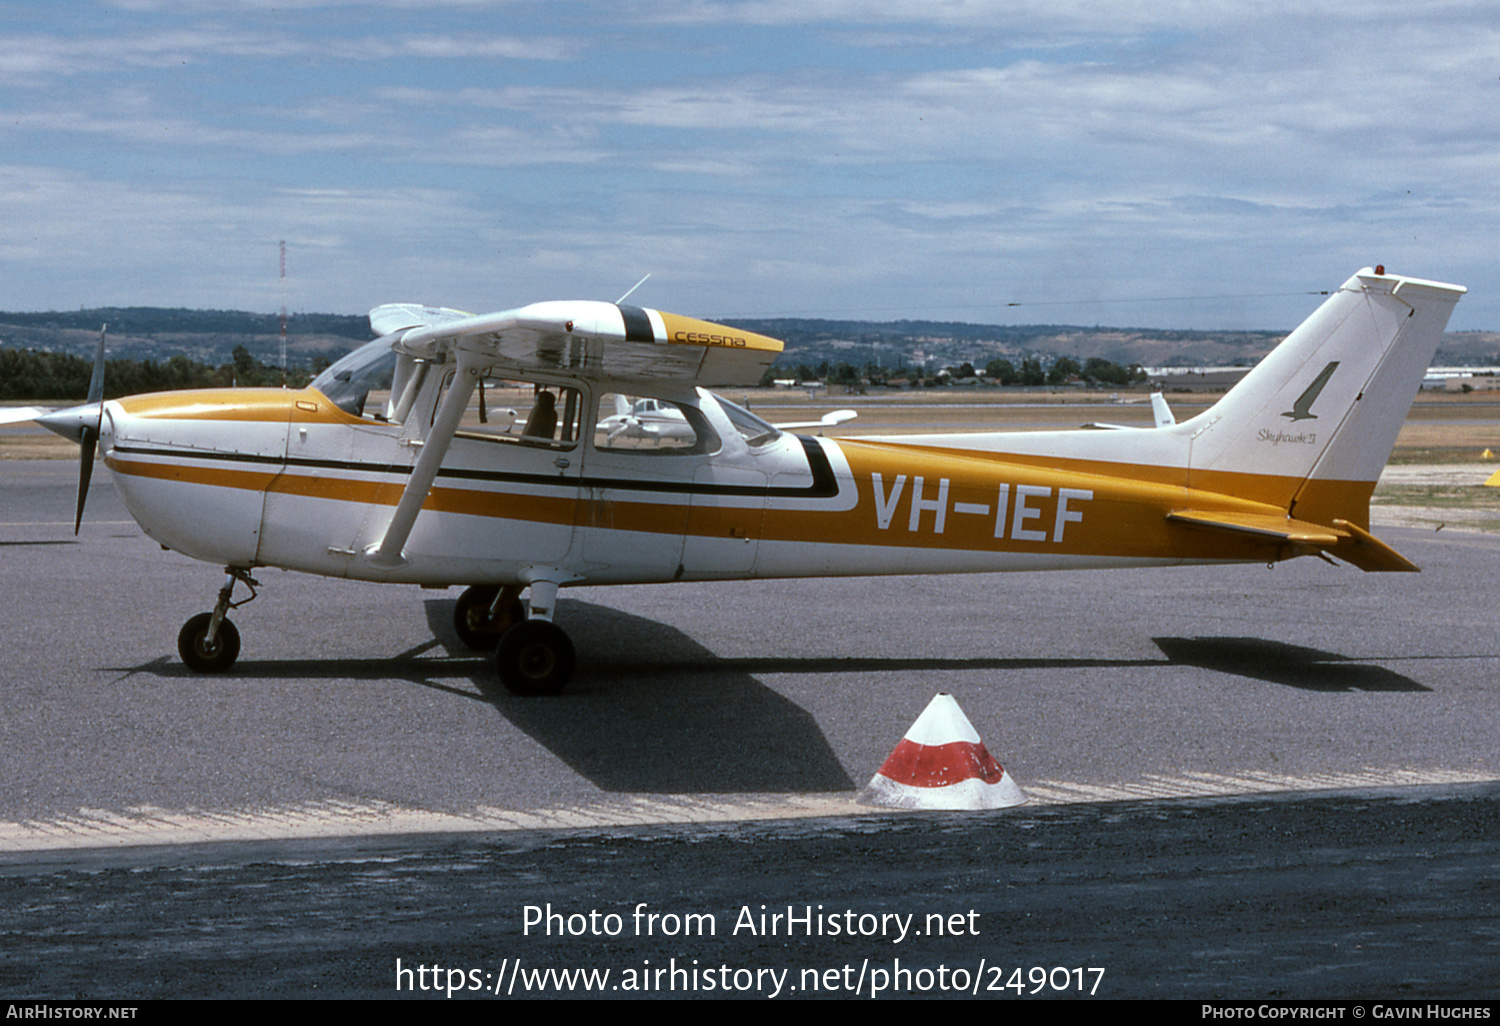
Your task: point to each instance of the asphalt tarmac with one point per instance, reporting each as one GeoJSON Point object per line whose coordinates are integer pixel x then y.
{"type": "Point", "coordinates": [353, 711]}
{"type": "Point", "coordinates": [1371, 899]}
{"type": "Point", "coordinates": [1109, 684]}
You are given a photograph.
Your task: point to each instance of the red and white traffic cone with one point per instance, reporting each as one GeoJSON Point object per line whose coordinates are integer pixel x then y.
{"type": "Point", "coordinates": [941, 763]}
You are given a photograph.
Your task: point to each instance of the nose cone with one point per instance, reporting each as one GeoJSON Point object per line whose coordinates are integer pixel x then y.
{"type": "Point", "coordinates": [74, 421]}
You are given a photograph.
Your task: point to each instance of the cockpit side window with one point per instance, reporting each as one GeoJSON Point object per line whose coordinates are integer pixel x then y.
{"type": "Point", "coordinates": [506, 410]}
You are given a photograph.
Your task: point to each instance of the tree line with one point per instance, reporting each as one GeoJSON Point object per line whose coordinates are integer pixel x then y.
{"type": "Point", "coordinates": [33, 374]}
{"type": "Point", "coordinates": [1093, 371]}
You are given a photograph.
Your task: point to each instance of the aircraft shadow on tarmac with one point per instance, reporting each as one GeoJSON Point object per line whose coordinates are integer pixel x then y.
{"type": "Point", "coordinates": [1276, 662]}
{"type": "Point", "coordinates": [653, 711]}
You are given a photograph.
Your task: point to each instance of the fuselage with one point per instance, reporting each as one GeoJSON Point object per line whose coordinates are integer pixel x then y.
{"type": "Point", "coordinates": [288, 479]}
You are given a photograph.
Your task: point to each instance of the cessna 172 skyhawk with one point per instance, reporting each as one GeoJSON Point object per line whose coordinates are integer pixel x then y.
{"type": "Point", "coordinates": [317, 481]}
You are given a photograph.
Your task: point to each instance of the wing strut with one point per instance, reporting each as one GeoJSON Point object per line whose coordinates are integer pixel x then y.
{"type": "Point", "coordinates": [388, 555]}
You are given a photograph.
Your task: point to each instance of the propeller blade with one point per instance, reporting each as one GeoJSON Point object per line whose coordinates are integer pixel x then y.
{"type": "Point", "coordinates": [96, 380]}
{"type": "Point", "coordinates": [88, 436]}
{"type": "Point", "coordinates": [86, 444]}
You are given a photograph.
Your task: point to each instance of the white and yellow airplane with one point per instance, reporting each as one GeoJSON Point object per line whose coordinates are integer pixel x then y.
{"type": "Point", "coordinates": [314, 480]}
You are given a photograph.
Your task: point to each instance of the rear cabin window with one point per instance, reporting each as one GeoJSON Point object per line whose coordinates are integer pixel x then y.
{"type": "Point", "coordinates": [651, 427]}
{"type": "Point", "coordinates": [503, 410]}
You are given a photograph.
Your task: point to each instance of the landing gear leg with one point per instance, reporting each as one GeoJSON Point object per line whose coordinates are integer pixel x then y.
{"type": "Point", "coordinates": [536, 657]}
{"type": "Point", "coordinates": [209, 642]}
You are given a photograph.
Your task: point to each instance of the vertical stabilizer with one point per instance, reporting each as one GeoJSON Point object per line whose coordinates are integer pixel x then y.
{"type": "Point", "coordinates": [1316, 420]}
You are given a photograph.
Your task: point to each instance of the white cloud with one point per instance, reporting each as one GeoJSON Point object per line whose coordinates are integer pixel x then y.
{"type": "Point", "coordinates": [516, 151]}
{"type": "Point", "coordinates": [195, 246]}
{"type": "Point", "coordinates": [38, 59]}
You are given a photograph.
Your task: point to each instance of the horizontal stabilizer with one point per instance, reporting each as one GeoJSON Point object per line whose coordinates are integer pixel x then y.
{"type": "Point", "coordinates": [1348, 541]}
{"type": "Point", "coordinates": [1270, 526]}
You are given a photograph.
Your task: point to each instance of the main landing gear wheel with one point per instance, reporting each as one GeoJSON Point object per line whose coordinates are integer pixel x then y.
{"type": "Point", "coordinates": [473, 622]}
{"type": "Point", "coordinates": [199, 654]}
{"type": "Point", "coordinates": [535, 657]}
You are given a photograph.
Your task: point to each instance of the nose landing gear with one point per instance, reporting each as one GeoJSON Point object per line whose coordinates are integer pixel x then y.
{"type": "Point", "coordinates": [209, 642]}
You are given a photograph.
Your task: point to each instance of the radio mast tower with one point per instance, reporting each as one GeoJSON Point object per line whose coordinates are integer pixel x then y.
{"type": "Point", "coordinates": [283, 313]}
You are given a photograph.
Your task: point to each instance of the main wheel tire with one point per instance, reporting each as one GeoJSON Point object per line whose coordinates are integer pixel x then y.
{"type": "Point", "coordinates": [192, 645]}
{"type": "Point", "coordinates": [535, 657]}
{"type": "Point", "coordinates": [471, 618]}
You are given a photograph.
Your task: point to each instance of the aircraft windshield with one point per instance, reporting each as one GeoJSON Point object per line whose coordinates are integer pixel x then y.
{"type": "Point", "coordinates": [755, 431]}
{"type": "Point", "coordinates": [349, 381]}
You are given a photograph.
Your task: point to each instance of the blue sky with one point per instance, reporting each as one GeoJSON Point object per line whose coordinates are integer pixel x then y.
{"type": "Point", "coordinates": [1172, 164]}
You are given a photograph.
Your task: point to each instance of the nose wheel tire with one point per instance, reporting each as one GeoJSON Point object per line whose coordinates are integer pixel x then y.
{"type": "Point", "coordinates": [535, 657]}
{"type": "Point", "coordinates": [198, 654]}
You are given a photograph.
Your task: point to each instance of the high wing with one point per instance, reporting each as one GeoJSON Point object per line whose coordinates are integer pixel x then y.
{"type": "Point", "coordinates": [584, 339]}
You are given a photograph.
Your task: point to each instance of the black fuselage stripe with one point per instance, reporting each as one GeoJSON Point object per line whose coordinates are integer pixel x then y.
{"type": "Point", "coordinates": [824, 482]}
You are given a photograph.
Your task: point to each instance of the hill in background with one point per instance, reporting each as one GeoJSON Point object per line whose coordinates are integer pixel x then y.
{"type": "Point", "coordinates": [207, 336]}
{"type": "Point", "coordinates": [313, 340]}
